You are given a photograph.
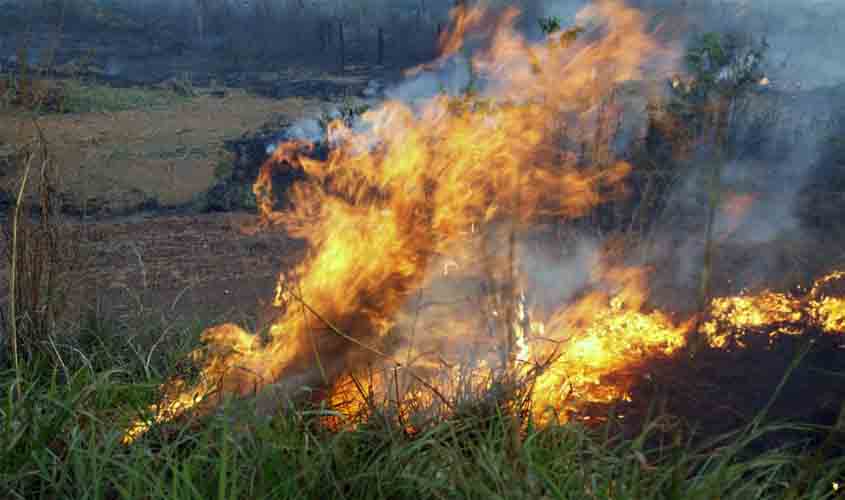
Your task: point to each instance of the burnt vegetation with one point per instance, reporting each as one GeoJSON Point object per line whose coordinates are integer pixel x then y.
{"type": "Point", "coordinates": [712, 235]}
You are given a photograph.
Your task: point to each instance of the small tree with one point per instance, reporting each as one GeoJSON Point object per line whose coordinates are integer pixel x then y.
{"type": "Point", "coordinates": [549, 25]}
{"type": "Point", "coordinates": [722, 70]}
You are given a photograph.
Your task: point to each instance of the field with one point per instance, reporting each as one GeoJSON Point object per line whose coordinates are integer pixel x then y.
{"type": "Point", "coordinates": [598, 259]}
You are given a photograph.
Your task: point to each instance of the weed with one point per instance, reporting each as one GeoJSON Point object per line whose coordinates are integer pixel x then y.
{"type": "Point", "coordinates": [43, 255]}
{"type": "Point", "coordinates": [103, 99]}
{"type": "Point", "coordinates": [61, 439]}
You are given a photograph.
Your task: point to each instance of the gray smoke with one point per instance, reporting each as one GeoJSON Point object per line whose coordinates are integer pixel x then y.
{"type": "Point", "coordinates": [777, 134]}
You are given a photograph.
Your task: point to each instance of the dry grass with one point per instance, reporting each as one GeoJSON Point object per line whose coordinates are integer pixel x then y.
{"type": "Point", "coordinates": [43, 257]}
{"type": "Point", "coordinates": [117, 160]}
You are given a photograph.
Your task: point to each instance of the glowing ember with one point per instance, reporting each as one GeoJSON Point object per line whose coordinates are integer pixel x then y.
{"type": "Point", "coordinates": [733, 317]}
{"type": "Point", "coordinates": [830, 313]}
{"type": "Point", "coordinates": [827, 304]}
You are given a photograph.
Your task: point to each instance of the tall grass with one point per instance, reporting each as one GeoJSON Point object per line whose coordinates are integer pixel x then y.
{"type": "Point", "coordinates": [43, 255]}
{"type": "Point", "coordinates": [61, 439]}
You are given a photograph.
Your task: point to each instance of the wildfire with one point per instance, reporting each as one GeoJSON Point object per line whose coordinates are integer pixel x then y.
{"type": "Point", "coordinates": [616, 339]}
{"type": "Point", "coordinates": [828, 309]}
{"type": "Point", "coordinates": [734, 317]}
{"type": "Point", "coordinates": [599, 338]}
{"type": "Point", "coordinates": [410, 290]}
{"type": "Point", "coordinates": [739, 313]}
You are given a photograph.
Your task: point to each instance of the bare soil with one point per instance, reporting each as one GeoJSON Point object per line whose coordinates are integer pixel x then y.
{"type": "Point", "coordinates": [200, 266]}
{"type": "Point", "coordinates": [203, 267]}
{"type": "Point", "coordinates": [164, 156]}
{"type": "Point", "coordinates": [128, 168]}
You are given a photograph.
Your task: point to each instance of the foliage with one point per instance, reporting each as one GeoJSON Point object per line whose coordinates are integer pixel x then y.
{"type": "Point", "coordinates": [71, 96]}
{"type": "Point", "coordinates": [82, 98]}
{"type": "Point", "coordinates": [721, 64]}
{"type": "Point", "coordinates": [720, 69]}
{"type": "Point", "coordinates": [549, 25]}
{"type": "Point", "coordinates": [28, 88]}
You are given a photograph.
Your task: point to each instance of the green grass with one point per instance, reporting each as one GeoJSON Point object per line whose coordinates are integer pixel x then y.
{"type": "Point", "coordinates": [61, 439]}
{"type": "Point", "coordinates": [81, 98]}
{"type": "Point", "coordinates": [74, 96]}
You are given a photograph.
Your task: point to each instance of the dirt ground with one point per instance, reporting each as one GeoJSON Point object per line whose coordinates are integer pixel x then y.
{"type": "Point", "coordinates": [127, 167]}
{"type": "Point", "coordinates": [202, 266]}
{"type": "Point", "coordinates": [164, 155]}
{"type": "Point", "coordinates": [189, 266]}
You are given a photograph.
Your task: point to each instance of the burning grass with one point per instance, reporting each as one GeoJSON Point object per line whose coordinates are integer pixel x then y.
{"type": "Point", "coordinates": [421, 185]}
{"type": "Point", "coordinates": [434, 199]}
{"type": "Point", "coordinates": [62, 440]}
{"type": "Point", "coordinates": [413, 352]}
{"type": "Point", "coordinates": [443, 186]}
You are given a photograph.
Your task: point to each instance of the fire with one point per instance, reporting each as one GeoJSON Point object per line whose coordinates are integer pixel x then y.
{"type": "Point", "coordinates": [828, 309]}
{"type": "Point", "coordinates": [599, 337]}
{"type": "Point", "coordinates": [830, 313]}
{"type": "Point", "coordinates": [391, 199]}
{"type": "Point", "coordinates": [411, 291]}
{"type": "Point", "coordinates": [734, 317]}
{"type": "Point", "coordinates": [739, 313]}
{"type": "Point", "coordinates": [587, 351]}
{"type": "Point", "coordinates": [616, 338]}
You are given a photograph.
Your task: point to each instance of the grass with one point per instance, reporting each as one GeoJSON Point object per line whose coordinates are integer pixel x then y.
{"type": "Point", "coordinates": [61, 439]}
{"type": "Point", "coordinates": [80, 98]}
{"type": "Point", "coordinates": [61, 428]}
{"type": "Point", "coordinates": [74, 96]}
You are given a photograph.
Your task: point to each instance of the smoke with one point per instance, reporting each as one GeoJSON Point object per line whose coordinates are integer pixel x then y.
{"type": "Point", "coordinates": [805, 35]}
{"type": "Point", "coordinates": [555, 272]}
{"type": "Point", "coordinates": [306, 129]}
{"type": "Point", "coordinates": [777, 136]}
{"type": "Point", "coordinates": [451, 78]}
{"type": "Point", "coordinates": [770, 160]}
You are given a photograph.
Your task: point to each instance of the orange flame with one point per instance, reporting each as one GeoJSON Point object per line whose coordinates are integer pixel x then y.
{"type": "Point", "coordinates": [389, 201]}
{"type": "Point", "coordinates": [599, 336]}
{"type": "Point", "coordinates": [402, 221]}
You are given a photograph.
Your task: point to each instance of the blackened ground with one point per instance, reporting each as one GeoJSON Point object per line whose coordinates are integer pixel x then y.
{"type": "Point", "coordinates": [709, 392]}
